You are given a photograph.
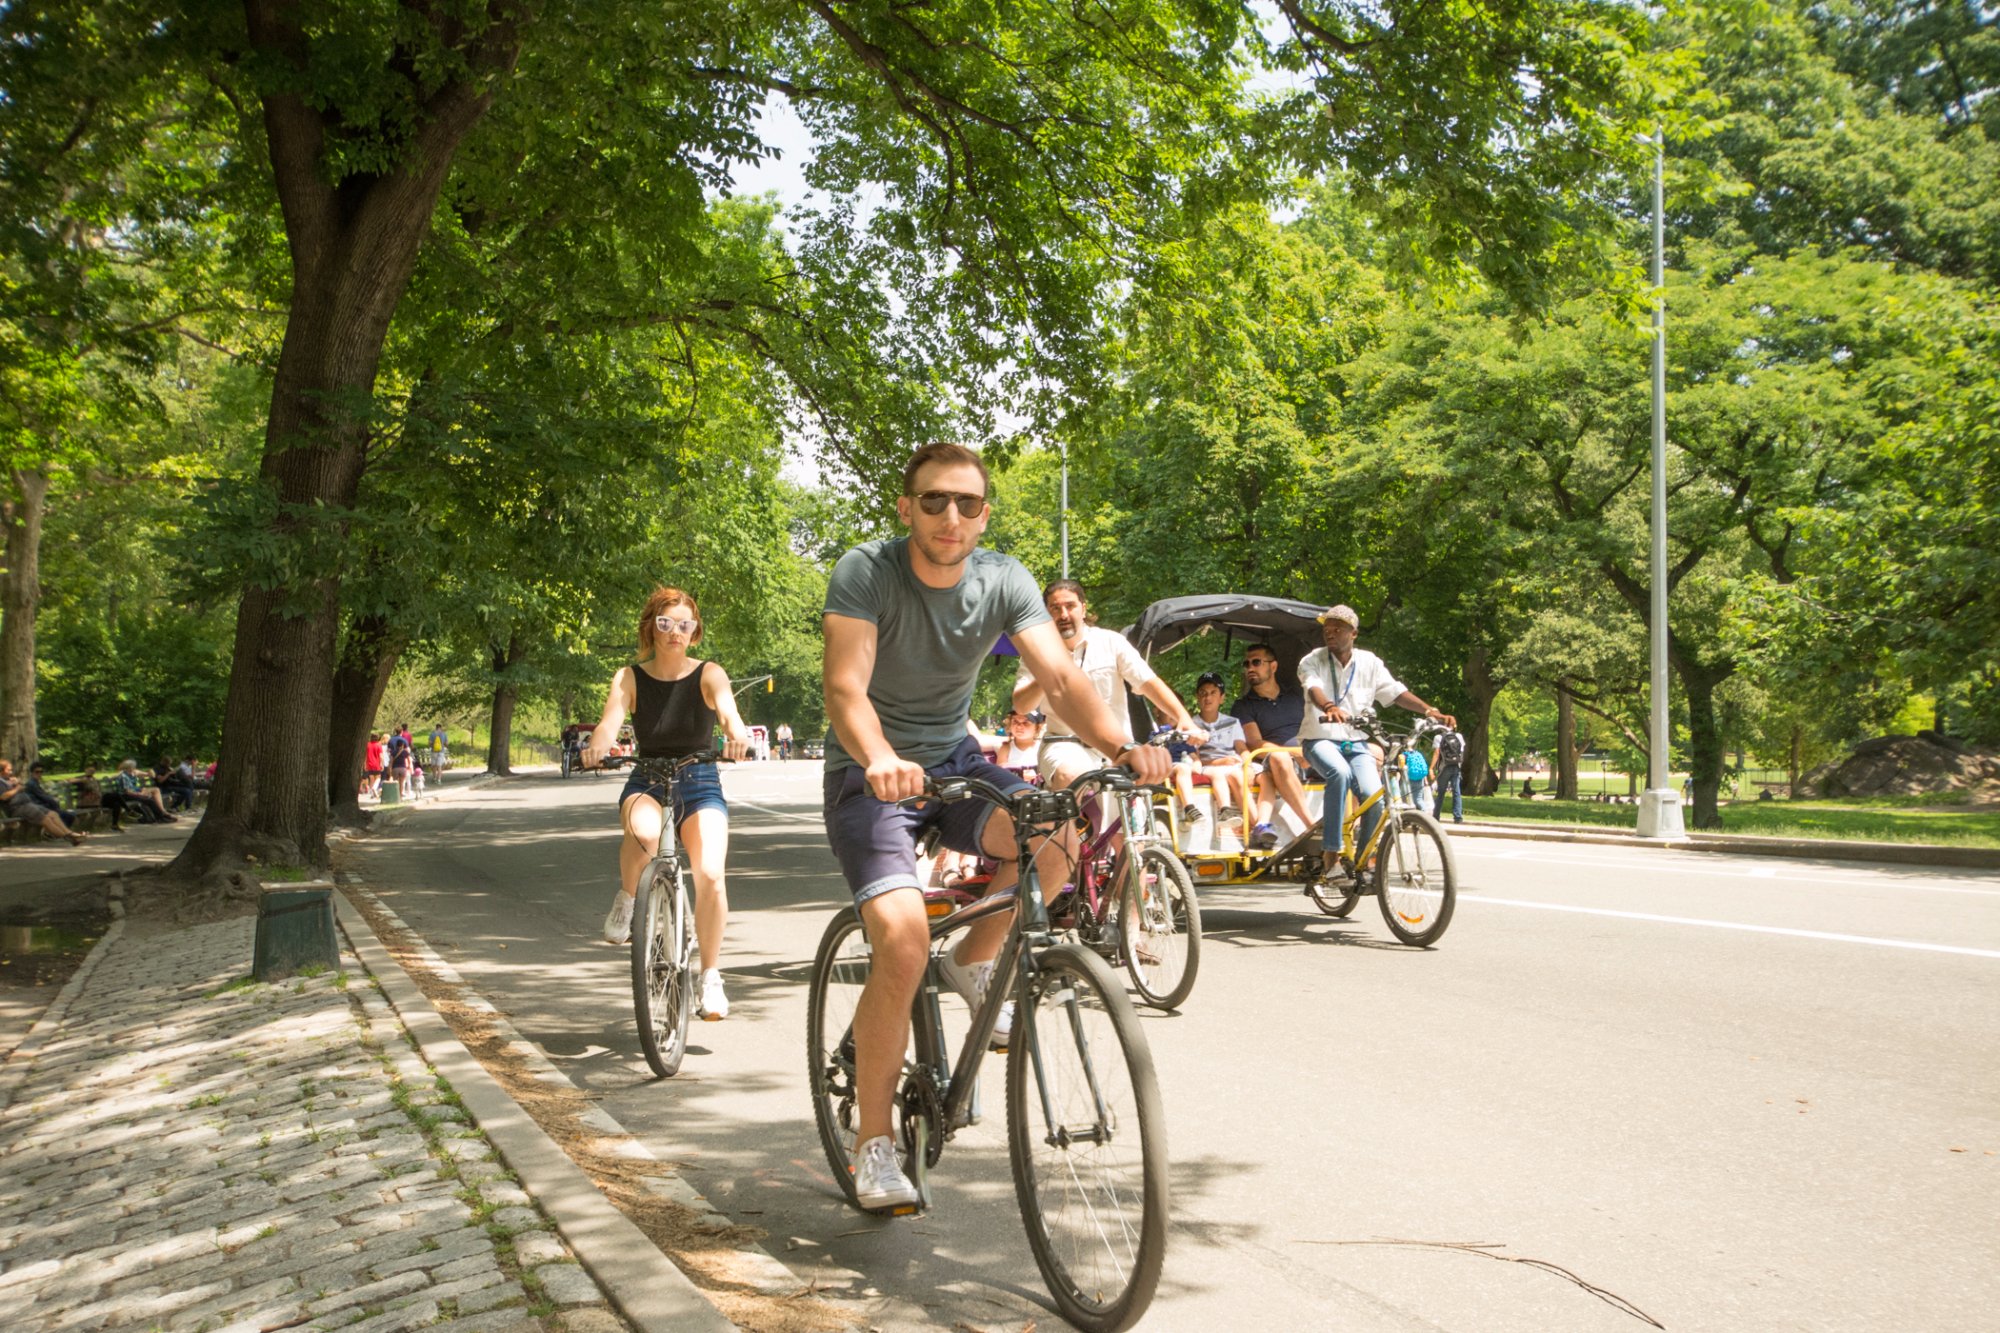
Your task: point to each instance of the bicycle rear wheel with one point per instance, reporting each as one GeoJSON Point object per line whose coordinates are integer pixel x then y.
{"type": "Point", "coordinates": [1159, 926]}
{"type": "Point", "coordinates": [660, 992]}
{"type": "Point", "coordinates": [840, 972]}
{"type": "Point", "coordinates": [1416, 877]}
{"type": "Point", "coordinates": [1087, 1138]}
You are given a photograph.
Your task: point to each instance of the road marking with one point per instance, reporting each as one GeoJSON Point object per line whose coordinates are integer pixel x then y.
{"type": "Point", "coordinates": [1739, 925]}
{"type": "Point", "coordinates": [818, 821]}
{"type": "Point", "coordinates": [1723, 869]}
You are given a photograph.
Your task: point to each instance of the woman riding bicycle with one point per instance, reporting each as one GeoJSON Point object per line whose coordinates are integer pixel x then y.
{"type": "Point", "coordinates": [675, 702]}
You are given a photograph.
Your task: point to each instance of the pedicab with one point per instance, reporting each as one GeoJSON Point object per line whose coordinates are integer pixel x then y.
{"type": "Point", "coordinates": [576, 737]}
{"type": "Point", "coordinates": [1407, 864]}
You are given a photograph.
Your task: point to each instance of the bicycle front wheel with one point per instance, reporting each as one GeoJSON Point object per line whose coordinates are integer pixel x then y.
{"type": "Point", "coordinates": [1416, 877]}
{"type": "Point", "coordinates": [1159, 925]}
{"type": "Point", "coordinates": [1087, 1137]}
{"type": "Point", "coordinates": [660, 990]}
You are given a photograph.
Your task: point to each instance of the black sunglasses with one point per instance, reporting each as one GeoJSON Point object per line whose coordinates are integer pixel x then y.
{"type": "Point", "coordinates": [933, 502]}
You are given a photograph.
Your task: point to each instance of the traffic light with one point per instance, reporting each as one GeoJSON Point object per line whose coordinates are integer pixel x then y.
{"type": "Point", "coordinates": [770, 684]}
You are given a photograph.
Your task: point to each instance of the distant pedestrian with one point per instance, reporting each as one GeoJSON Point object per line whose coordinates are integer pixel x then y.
{"type": "Point", "coordinates": [1448, 768]}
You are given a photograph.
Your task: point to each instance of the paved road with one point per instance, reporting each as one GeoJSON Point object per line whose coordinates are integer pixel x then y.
{"type": "Point", "coordinates": [1729, 1093]}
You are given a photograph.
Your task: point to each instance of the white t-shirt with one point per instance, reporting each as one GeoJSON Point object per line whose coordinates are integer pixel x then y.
{"type": "Point", "coordinates": [1358, 687]}
{"type": "Point", "coordinates": [1105, 658]}
{"type": "Point", "coordinates": [1019, 756]}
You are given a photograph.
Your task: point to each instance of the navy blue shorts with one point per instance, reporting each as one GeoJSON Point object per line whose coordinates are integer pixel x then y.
{"type": "Point", "coordinates": [875, 842]}
{"type": "Point", "coordinates": [699, 787]}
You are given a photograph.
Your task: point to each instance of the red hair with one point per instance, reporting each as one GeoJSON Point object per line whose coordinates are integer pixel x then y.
{"type": "Point", "coordinates": [657, 605]}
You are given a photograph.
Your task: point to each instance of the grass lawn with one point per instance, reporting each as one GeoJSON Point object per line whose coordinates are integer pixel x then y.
{"type": "Point", "coordinates": [1871, 819]}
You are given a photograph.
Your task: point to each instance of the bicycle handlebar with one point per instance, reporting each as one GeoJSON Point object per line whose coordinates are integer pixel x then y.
{"type": "Point", "coordinates": [669, 765]}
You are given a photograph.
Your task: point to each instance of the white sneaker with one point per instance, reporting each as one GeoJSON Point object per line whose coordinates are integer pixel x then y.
{"type": "Point", "coordinates": [879, 1181]}
{"type": "Point", "coordinates": [618, 921]}
{"type": "Point", "coordinates": [714, 1004]}
{"type": "Point", "coordinates": [971, 981]}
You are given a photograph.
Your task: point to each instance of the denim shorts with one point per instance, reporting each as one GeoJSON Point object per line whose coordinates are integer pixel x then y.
{"type": "Point", "coordinates": [699, 787]}
{"type": "Point", "coordinates": [875, 842]}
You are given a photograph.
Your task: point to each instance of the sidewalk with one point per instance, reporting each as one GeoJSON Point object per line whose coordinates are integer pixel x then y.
{"type": "Point", "coordinates": [182, 1148]}
{"type": "Point", "coordinates": [1742, 844]}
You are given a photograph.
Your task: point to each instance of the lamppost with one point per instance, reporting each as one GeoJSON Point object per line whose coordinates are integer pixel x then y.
{"type": "Point", "coordinates": [1660, 807]}
{"type": "Point", "coordinates": [1064, 446]}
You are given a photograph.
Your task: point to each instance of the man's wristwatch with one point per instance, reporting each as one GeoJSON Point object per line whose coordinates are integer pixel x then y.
{"type": "Point", "coordinates": [1124, 750]}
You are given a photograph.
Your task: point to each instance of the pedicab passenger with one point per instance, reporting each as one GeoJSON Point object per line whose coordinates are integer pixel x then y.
{"type": "Point", "coordinates": [1215, 763]}
{"type": "Point", "coordinates": [1271, 715]}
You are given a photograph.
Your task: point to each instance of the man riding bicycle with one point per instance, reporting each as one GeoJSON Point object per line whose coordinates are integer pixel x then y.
{"type": "Point", "coordinates": [1342, 684]}
{"type": "Point", "coordinates": [908, 623]}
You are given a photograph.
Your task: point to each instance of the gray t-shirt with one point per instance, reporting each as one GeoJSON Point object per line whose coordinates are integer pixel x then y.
{"type": "Point", "coordinates": [929, 642]}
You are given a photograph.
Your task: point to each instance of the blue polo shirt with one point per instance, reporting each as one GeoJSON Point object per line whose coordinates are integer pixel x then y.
{"type": "Point", "coordinates": [1278, 719]}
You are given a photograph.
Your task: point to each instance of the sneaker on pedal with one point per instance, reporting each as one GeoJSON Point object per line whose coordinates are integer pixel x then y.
{"type": "Point", "coordinates": [1264, 838]}
{"type": "Point", "coordinates": [618, 921]}
{"type": "Point", "coordinates": [970, 980]}
{"type": "Point", "coordinates": [879, 1181]}
{"type": "Point", "coordinates": [714, 1004]}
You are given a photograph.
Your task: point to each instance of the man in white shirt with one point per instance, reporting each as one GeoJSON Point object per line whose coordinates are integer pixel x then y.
{"type": "Point", "coordinates": [1341, 683]}
{"type": "Point", "coordinates": [1108, 661]}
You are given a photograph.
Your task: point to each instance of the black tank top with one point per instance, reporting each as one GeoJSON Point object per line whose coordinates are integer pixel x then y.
{"type": "Point", "coordinates": [670, 718]}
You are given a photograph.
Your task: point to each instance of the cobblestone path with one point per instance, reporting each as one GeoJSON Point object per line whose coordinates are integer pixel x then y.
{"type": "Point", "coordinates": [190, 1150]}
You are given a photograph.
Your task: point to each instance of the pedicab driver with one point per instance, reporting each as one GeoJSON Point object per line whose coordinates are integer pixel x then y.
{"type": "Point", "coordinates": [908, 623]}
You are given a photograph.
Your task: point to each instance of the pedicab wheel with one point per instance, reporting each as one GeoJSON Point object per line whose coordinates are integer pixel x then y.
{"type": "Point", "coordinates": [1417, 879]}
{"type": "Point", "coordinates": [1086, 1135]}
{"type": "Point", "coordinates": [567, 763]}
{"type": "Point", "coordinates": [1335, 897]}
{"type": "Point", "coordinates": [660, 991]}
{"type": "Point", "coordinates": [1159, 927]}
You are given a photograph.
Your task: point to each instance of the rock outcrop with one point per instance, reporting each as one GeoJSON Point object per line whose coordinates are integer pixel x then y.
{"type": "Point", "coordinates": [1905, 766]}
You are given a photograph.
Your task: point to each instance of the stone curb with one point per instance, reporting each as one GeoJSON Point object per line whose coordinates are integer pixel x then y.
{"type": "Point", "coordinates": [1830, 849]}
{"type": "Point", "coordinates": [640, 1281]}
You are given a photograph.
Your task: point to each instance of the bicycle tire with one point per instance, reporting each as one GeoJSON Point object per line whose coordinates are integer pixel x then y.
{"type": "Point", "coordinates": [1336, 898]}
{"type": "Point", "coordinates": [1417, 878]}
{"type": "Point", "coordinates": [660, 993]}
{"type": "Point", "coordinates": [1167, 927]}
{"type": "Point", "coordinates": [1072, 1023]}
{"type": "Point", "coordinates": [840, 971]}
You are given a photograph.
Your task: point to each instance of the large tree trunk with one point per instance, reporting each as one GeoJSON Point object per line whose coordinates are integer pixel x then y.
{"type": "Point", "coordinates": [1705, 751]}
{"type": "Point", "coordinates": [1482, 687]}
{"type": "Point", "coordinates": [367, 660]}
{"type": "Point", "coordinates": [1565, 742]}
{"type": "Point", "coordinates": [506, 693]}
{"type": "Point", "coordinates": [353, 244]}
{"type": "Point", "coordinates": [20, 600]}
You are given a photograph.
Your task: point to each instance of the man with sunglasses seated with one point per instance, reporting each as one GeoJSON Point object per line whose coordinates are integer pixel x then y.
{"type": "Point", "coordinates": [909, 621]}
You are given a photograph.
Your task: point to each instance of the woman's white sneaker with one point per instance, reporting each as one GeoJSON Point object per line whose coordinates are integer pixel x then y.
{"type": "Point", "coordinates": [714, 1004]}
{"type": "Point", "coordinates": [618, 921]}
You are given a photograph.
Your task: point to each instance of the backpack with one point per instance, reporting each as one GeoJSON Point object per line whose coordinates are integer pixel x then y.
{"type": "Point", "coordinates": [1414, 765]}
{"type": "Point", "coordinates": [1451, 750]}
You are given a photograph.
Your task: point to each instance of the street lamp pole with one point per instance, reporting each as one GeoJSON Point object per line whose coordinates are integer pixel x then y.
{"type": "Point", "coordinates": [1660, 807]}
{"type": "Point", "coordinates": [1064, 446]}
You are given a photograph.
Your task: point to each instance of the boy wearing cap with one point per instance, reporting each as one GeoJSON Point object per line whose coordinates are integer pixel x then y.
{"type": "Point", "coordinates": [1215, 759]}
{"type": "Point", "coordinates": [1343, 682]}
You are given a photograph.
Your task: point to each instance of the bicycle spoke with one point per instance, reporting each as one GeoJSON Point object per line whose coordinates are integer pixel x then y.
{"type": "Point", "coordinates": [1088, 1148]}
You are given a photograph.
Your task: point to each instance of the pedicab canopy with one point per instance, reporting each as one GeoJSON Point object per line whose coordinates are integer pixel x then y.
{"type": "Point", "coordinates": [1232, 622]}
{"type": "Point", "coordinates": [1221, 626]}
